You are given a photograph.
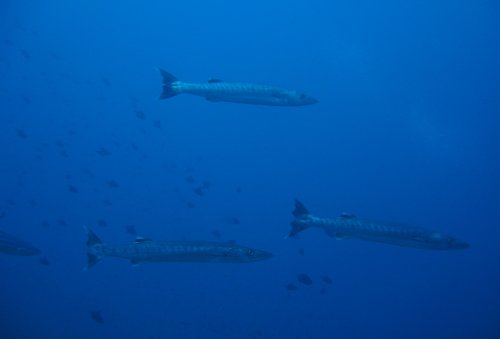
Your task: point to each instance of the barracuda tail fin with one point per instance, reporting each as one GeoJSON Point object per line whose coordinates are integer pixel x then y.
{"type": "Point", "coordinates": [168, 79]}
{"type": "Point", "coordinates": [300, 223]}
{"type": "Point", "coordinates": [299, 210]}
{"type": "Point", "coordinates": [94, 251]}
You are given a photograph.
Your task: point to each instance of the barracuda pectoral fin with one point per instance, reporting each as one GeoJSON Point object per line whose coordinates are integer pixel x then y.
{"type": "Point", "coordinates": [211, 81]}
{"type": "Point", "coordinates": [135, 263]}
{"type": "Point", "coordinates": [333, 234]}
{"type": "Point", "coordinates": [213, 99]}
{"type": "Point", "coordinates": [347, 215]}
{"type": "Point", "coordinates": [279, 95]}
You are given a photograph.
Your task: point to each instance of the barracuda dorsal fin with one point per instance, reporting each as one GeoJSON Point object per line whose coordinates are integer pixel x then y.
{"type": "Point", "coordinates": [347, 215]}
{"type": "Point", "coordinates": [140, 240]}
{"type": "Point", "coordinates": [211, 81]}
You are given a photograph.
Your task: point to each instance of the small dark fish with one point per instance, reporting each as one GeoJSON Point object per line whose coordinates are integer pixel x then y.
{"type": "Point", "coordinates": [216, 234]}
{"type": "Point", "coordinates": [112, 183]}
{"type": "Point", "coordinates": [102, 223]}
{"type": "Point", "coordinates": [238, 189]}
{"type": "Point", "coordinates": [10, 202]}
{"type": "Point", "coordinates": [73, 189]}
{"type": "Point", "coordinates": [131, 230]}
{"type": "Point", "coordinates": [291, 287]}
{"type": "Point", "coordinates": [103, 152]}
{"type": "Point", "coordinates": [8, 42]}
{"type": "Point", "coordinates": [64, 154]}
{"type": "Point", "coordinates": [25, 54]}
{"type": "Point", "coordinates": [62, 223]}
{"type": "Point", "coordinates": [106, 81]}
{"type": "Point", "coordinates": [140, 114]}
{"type": "Point", "coordinates": [206, 184]}
{"type": "Point", "coordinates": [21, 134]}
{"type": "Point", "coordinates": [44, 261]}
{"type": "Point", "coordinates": [233, 220]}
{"type": "Point", "coordinates": [87, 172]}
{"type": "Point", "coordinates": [33, 203]}
{"type": "Point", "coordinates": [301, 251]}
{"type": "Point", "coordinates": [199, 191]}
{"type": "Point", "coordinates": [97, 317]}
{"type": "Point", "coordinates": [157, 124]}
{"type": "Point", "coordinates": [134, 146]}
{"type": "Point", "coordinates": [190, 204]}
{"type": "Point", "coordinates": [60, 143]}
{"type": "Point", "coordinates": [26, 99]}
{"type": "Point", "coordinates": [117, 144]}
{"type": "Point", "coordinates": [190, 179]}
{"type": "Point", "coordinates": [327, 280]}
{"type": "Point", "coordinates": [304, 279]}
{"type": "Point", "coordinates": [45, 224]}
{"type": "Point", "coordinates": [107, 202]}
{"type": "Point", "coordinates": [55, 56]}
{"type": "Point", "coordinates": [2, 214]}
{"type": "Point", "coordinates": [323, 290]}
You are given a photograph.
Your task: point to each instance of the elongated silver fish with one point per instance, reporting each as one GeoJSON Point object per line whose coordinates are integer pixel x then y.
{"type": "Point", "coordinates": [148, 250]}
{"type": "Point", "coordinates": [350, 226]}
{"type": "Point", "coordinates": [240, 92]}
{"type": "Point", "coordinates": [10, 244]}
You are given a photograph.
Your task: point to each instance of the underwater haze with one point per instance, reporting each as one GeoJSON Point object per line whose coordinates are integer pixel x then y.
{"type": "Point", "coordinates": [406, 129]}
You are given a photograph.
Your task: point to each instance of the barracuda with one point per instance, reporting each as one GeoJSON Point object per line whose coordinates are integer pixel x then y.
{"type": "Point", "coordinates": [350, 226]}
{"type": "Point", "coordinates": [15, 246]}
{"type": "Point", "coordinates": [148, 250]}
{"type": "Point", "coordinates": [240, 92]}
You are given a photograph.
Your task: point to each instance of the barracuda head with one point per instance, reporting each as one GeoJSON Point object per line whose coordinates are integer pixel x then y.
{"type": "Point", "coordinates": [24, 249]}
{"type": "Point", "coordinates": [12, 245]}
{"type": "Point", "coordinates": [301, 99]}
{"type": "Point", "coordinates": [445, 242]}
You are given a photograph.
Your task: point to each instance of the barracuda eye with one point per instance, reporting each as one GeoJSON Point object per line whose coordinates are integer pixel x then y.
{"type": "Point", "coordinates": [250, 252]}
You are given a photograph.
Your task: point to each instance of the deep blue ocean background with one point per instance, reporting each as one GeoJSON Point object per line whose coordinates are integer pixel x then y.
{"type": "Point", "coordinates": [407, 129]}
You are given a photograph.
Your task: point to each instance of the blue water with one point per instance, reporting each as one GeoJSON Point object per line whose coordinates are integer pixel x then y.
{"type": "Point", "coordinates": [407, 130]}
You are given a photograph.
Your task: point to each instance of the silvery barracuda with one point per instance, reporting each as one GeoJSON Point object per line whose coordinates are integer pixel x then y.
{"type": "Point", "coordinates": [350, 226]}
{"type": "Point", "coordinates": [240, 92]}
{"type": "Point", "coordinates": [144, 250]}
{"type": "Point", "coordinates": [12, 245]}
